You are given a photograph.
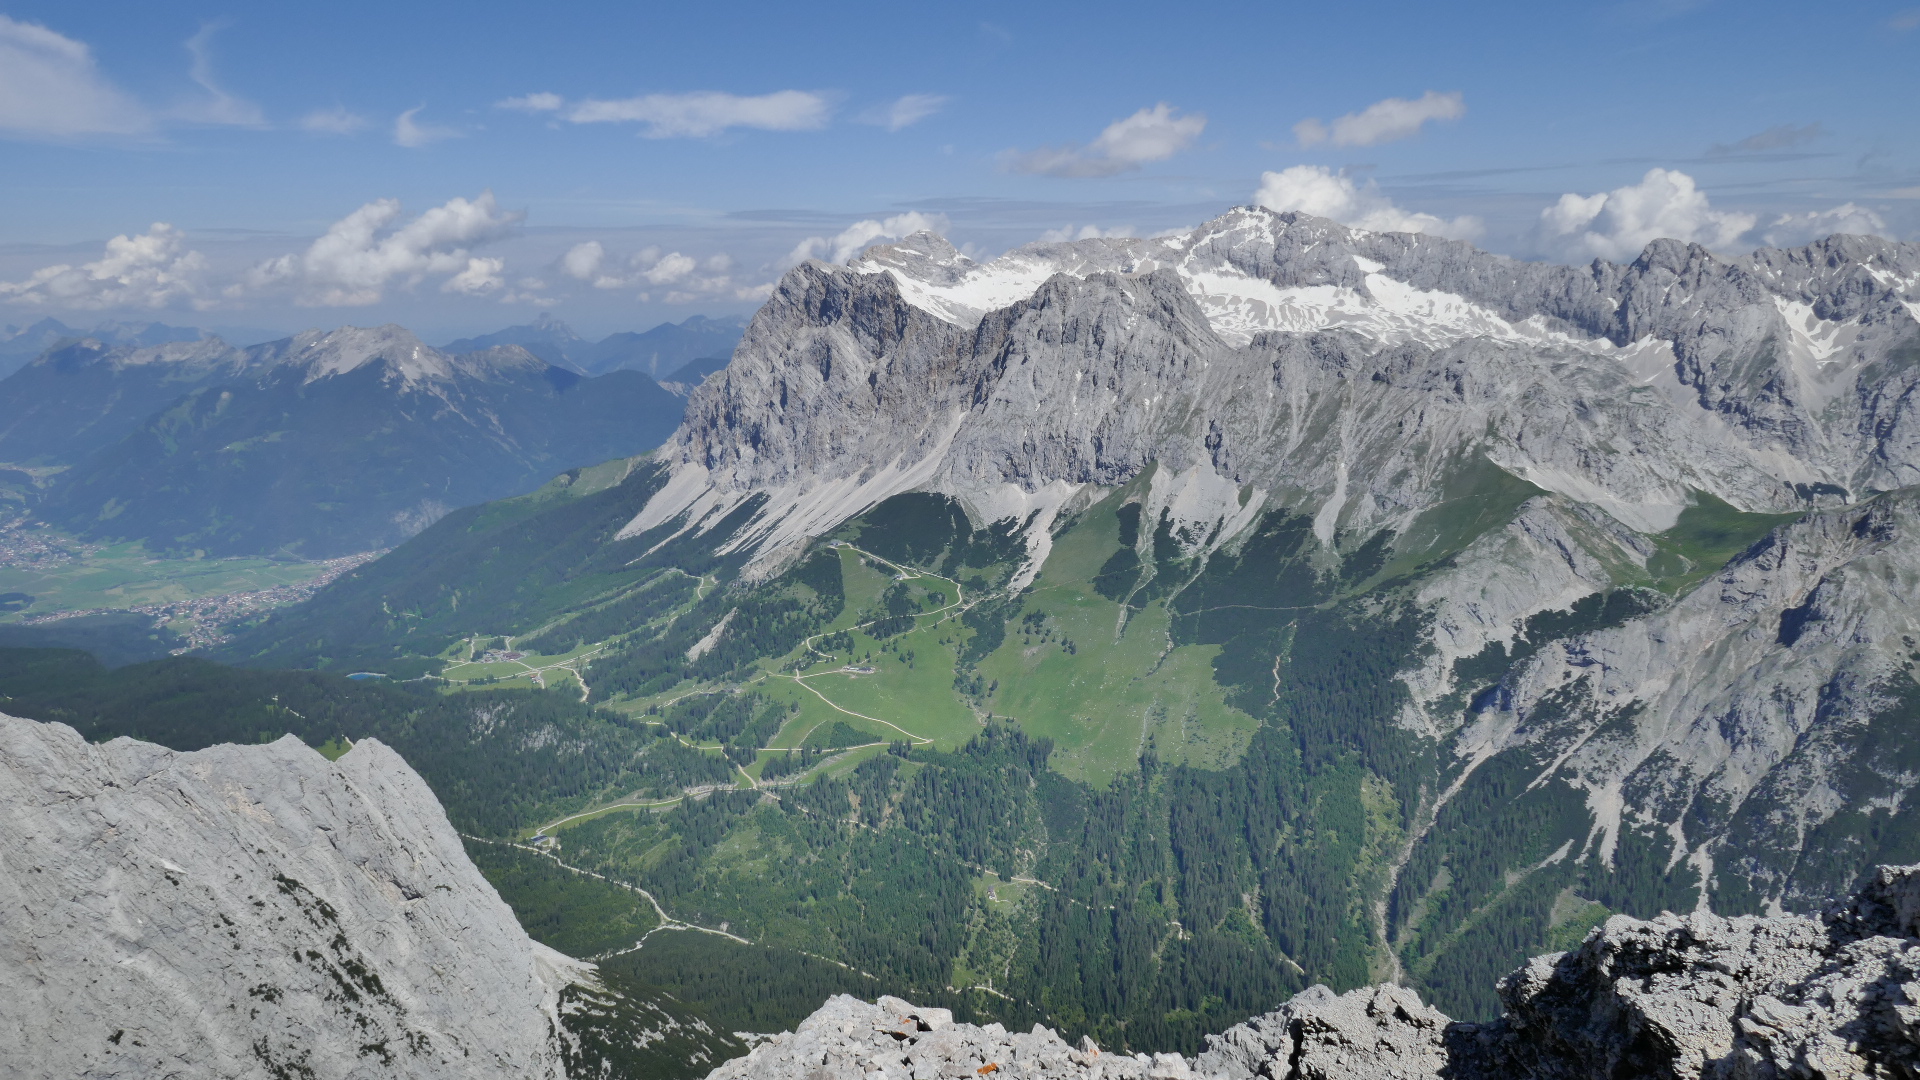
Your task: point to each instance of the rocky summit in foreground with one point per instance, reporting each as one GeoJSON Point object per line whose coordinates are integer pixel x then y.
{"type": "Point", "coordinates": [259, 911]}
{"type": "Point", "coordinates": [1694, 996]}
{"type": "Point", "coordinates": [251, 911]}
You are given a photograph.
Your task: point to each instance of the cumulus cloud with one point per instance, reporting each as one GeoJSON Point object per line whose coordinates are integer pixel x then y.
{"type": "Point", "coordinates": [51, 88]}
{"type": "Point", "coordinates": [151, 270]}
{"type": "Point", "coordinates": [688, 279]}
{"type": "Point", "coordinates": [1317, 190]}
{"type": "Point", "coordinates": [1085, 232]}
{"type": "Point", "coordinates": [219, 106]}
{"type": "Point", "coordinates": [707, 112]}
{"type": "Point", "coordinates": [1383, 121]}
{"type": "Point", "coordinates": [855, 238]}
{"type": "Point", "coordinates": [360, 254]}
{"type": "Point", "coordinates": [905, 112]}
{"type": "Point", "coordinates": [533, 103]}
{"type": "Point", "coordinates": [410, 133]}
{"type": "Point", "coordinates": [582, 261]}
{"type": "Point", "coordinates": [1618, 224]}
{"type": "Point", "coordinates": [1149, 135]}
{"type": "Point", "coordinates": [1778, 137]}
{"type": "Point", "coordinates": [480, 276]}
{"type": "Point", "coordinates": [335, 121]}
{"type": "Point", "coordinates": [1789, 230]}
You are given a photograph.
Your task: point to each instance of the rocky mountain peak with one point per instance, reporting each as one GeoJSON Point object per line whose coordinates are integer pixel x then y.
{"type": "Point", "coordinates": [252, 910]}
{"type": "Point", "coordinates": [1473, 350]}
{"type": "Point", "coordinates": [325, 353]}
{"type": "Point", "coordinates": [186, 357]}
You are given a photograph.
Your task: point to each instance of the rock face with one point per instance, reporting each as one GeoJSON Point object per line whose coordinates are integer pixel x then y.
{"type": "Point", "coordinates": [1760, 715]}
{"type": "Point", "coordinates": [252, 911]}
{"type": "Point", "coordinates": [1313, 365]}
{"type": "Point", "coordinates": [1694, 997]}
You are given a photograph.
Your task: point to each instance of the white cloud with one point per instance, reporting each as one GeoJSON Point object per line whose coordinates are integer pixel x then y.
{"type": "Point", "coordinates": [671, 269]}
{"type": "Point", "coordinates": [854, 238]}
{"type": "Point", "coordinates": [359, 255]}
{"type": "Point", "coordinates": [1085, 232]}
{"type": "Point", "coordinates": [480, 276]}
{"type": "Point", "coordinates": [1789, 230]}
{"type": "Point", "coordinates": [1383, 121]}
{"type": "Point", "coordinates": [151, 270]}
{"type": "Point", "coordinates": [50, 88]}
{"type": "Point", "coordinates": [1317, 190]}
{"type": "Point", "coordinates": [219, 107]}
{"type": "Point", "coordinates": [533, 103]}
{"type": "Point", "coordinates": [688, 277]}
{"type": "Point", "coordinates": [905, 112]}
{"type": "Point", "coordinates": [410, 133]}
{"type": "Point", "coordinates": [335, 121]}
{"type": "Point", "coordinates": [708, 112]}
{"type": "Point", "coordinates": [582, 261]}
{"type": "Point", "coordinates": [1618, 224]}
{"type": "Point", "coordinates": [1149, 135]}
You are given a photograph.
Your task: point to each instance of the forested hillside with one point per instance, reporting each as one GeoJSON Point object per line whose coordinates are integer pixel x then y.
{"type": "Point", "coordinates": [1096, 800]}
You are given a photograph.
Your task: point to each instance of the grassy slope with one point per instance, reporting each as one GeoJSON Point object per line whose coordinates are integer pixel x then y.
{"type": "Point", "coordinates": [1120, 691]}
{"type": "Point", "coordinates": [1113, 694]}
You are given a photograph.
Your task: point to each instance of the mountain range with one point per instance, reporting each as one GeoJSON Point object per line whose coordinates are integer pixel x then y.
{"type": "Point", "coordinates": [318, 445]}
{"type": "Point", "coordinates": [660, 352]}
{"type": "Point", "coordinates": [19, 344]}
{"type": "Point", "coordinates": [1362, 604]}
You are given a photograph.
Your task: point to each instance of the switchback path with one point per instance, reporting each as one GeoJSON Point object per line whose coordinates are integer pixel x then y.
{"type": "Point", "coordinates": [667, 922]}
{"type": "Point", "coordinates": [901, 573]}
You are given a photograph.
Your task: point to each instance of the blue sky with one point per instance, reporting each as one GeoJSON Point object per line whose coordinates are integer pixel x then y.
{"type": "Point", "coordinates": [703, 147]}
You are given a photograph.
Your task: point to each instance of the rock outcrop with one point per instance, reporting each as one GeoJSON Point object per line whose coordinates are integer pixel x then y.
{"type": "Point", "coordinates": [1694, 997]}
{"type": "Point", "coordinates": [252, 911]}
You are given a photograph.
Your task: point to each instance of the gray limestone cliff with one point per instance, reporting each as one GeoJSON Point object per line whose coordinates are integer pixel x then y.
{"type": "Point", "coordinates": [1695, 997]}
{"type": "Point", "coordinates": [252, 911]}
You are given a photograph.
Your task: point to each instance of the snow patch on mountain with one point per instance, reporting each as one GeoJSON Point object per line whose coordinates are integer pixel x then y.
{"type": "Point", "coordinates": [1237, 304]}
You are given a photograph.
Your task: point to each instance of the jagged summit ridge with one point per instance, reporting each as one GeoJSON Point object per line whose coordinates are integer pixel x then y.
{"type": "Point", "coordinates": [320, 353]}
{"type": "Point", "coordinates": [1698, 996]}
{"type": "Point", "coordinates": [1314, 365]}
{"type": "Point", "coordinates": [240, 910]}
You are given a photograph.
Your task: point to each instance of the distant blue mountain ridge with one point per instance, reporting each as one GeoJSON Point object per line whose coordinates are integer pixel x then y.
{"type": "Point", "coordinates": [19, 344]}
{"type": "Point", "coordinates": [659, 353]}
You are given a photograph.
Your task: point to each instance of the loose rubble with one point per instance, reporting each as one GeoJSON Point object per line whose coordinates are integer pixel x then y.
{"type": "Point", "coordinates": [1680, 997]}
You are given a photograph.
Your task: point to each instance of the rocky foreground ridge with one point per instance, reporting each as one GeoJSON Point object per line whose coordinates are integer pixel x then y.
{"type": "Point", "coordinates": [1694, 996]}
{"type": "Point", "coordinates": [253, 911]}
